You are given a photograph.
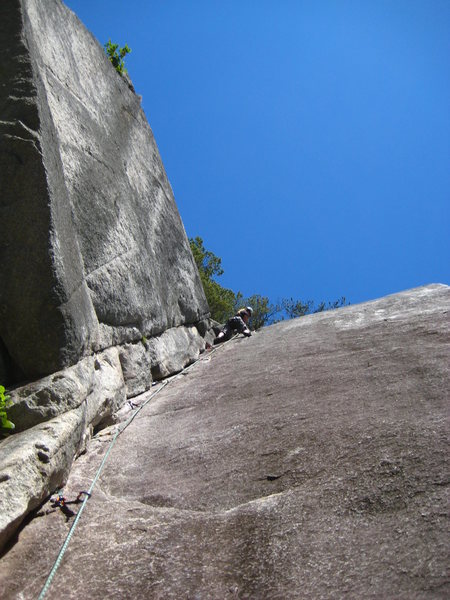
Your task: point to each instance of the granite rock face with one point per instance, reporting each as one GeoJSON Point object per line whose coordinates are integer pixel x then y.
{"type": "Point", "coordinates": [308, 461]}
{"type": "Point", "coordinates": [54, 418]}
{"type": "Point", "coordinates": [136, 365]}
{"type": "Point", "coordinates": [98, 386]}
{"type": "Point", "coordinates": [174, 349]}
{"type": "Point", "coordinates": [51, 396]}
{"type": "Point", "coordinates": [93, 252]}
{"type": "Point", "coordinates": [36, 463]}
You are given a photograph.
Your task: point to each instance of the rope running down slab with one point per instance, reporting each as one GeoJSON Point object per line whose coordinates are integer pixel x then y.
{"type": "Point", "coordinates": [102, 464]}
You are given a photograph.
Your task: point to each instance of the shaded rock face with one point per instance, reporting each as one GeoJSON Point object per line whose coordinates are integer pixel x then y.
{"type": "Point", "coordinates": [308, 461]}
{"type": "Point", "coordinates": [78, 401]}
{"type": "Point", "coordinates": [93, 252]}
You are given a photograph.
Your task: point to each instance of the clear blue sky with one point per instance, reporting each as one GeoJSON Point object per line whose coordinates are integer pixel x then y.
{"type": "Point", "coordinates": [307, 142]}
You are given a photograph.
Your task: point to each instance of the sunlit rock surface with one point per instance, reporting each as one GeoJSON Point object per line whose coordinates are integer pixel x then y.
{"type": "Point", "coordinates": [93, 252]}
{"type": "Point", "coordinates": [308, 461]}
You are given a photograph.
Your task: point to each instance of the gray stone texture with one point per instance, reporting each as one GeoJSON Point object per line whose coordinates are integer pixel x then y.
{"type": "Point", "coordinates": [93, 252]}
{"type": "Point", "coordinates": [35, 463]}
{"type": "Point", "coordinates": [135, 361]}
{"type": "Point", "coordinates": [51, 396]}
{"type": "Point", "coordinates": [54, 418]}
{"type": "Point", "coordinates": [174, 349]}
{"type": "Point", "coordinates": [97, 385]}
{"type": "Point", "coordinates": [308, 461]}
{"type": "Point", "coordinates": [96, 379]}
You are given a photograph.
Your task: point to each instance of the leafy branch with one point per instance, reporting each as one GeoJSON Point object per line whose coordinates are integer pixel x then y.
{"type": "Point", "coordinates": [5, 403]}
{"type": "Point", "coordinates": [116, 55]}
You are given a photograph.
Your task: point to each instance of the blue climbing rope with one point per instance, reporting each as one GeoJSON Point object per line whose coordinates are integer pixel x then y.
{"type": "Point", "coordinates": [119, 431]}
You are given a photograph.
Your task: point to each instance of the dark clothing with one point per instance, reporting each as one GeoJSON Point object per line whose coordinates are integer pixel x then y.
{"type": "Point", "coordinates": [234, 325]}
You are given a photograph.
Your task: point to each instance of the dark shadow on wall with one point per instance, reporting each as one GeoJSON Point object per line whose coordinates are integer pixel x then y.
{"type": "Point", "coordinates": [9, 372]}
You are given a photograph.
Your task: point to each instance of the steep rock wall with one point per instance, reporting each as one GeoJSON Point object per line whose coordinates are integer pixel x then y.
{"type": "Point", "coordinates": [307, 461]}
{"type": "Point", "coordinates": [93, 252]}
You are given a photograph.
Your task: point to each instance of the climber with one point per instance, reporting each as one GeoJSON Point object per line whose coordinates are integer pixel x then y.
{"type": "Point", "coordinates": [237, 324]}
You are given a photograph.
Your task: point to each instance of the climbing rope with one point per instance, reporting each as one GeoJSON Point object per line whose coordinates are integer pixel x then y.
{"type": "Point", "coordinates": [119, 431]}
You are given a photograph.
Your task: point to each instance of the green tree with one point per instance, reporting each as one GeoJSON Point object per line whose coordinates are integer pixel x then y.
{"type": "Point", "coordinates": [207, 263]}
{"type": "Point", "coordinates": [331, 305]}
{"type": "Point", "coordinates": [296, 308]}
{"type": "Point", "coordinates": [264, 312]}
{"type": "Point", "coordinates": [221, 300]}
{"type": "Point", "coordinates": [223, 303]}
{"type": "Point", "coordinates": [116, 55]}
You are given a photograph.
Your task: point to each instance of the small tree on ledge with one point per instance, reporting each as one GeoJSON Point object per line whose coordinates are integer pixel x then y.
{"type": "Point", "coordinates": [116, 55]}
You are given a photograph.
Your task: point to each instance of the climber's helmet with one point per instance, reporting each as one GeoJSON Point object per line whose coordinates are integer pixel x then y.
{"type": "Point", "coordinates": [249, 310]}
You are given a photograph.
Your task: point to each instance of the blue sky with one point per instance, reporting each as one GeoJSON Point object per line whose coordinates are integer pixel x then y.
{"type": "Point", "coordinates": [306, 142]}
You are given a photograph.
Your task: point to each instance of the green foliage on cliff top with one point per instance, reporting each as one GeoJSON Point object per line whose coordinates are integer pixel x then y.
{"type": "Point", "coordinates": [116, 55]}
{"type": "Point", "coordinates": [224, 303]}
{"type": "Point", "coordinates": [221, 300]}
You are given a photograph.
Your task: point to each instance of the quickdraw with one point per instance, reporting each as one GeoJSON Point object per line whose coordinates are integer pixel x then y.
{"type": "Point", "coordinates": [60, 501]}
